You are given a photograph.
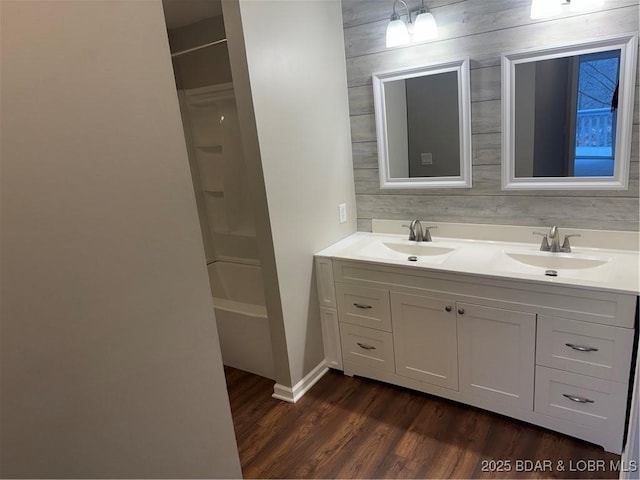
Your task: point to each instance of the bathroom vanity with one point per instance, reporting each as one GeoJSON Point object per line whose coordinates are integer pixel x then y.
{"type": "Point", "coordinates": [475, 319]}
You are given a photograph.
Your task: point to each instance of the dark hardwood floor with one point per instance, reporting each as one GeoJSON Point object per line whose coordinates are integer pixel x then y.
{"type": "Point", "coordinates": [357, 428]}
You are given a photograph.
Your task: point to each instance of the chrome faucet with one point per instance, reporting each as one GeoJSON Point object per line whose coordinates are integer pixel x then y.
{"type": "Point", "coordinates": [417, 233]}
{"type": "Point", "coordinates": [554, 236]}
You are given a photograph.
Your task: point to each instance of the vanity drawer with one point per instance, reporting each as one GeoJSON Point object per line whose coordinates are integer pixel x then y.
{"type": "Point", "coordinates": [588, 401]}
{"type": "Point", "coordinates": [367, 307]}
{"type": "Point", "coordinates": [600, 351]}
{"type": "Point", "coordinates": [367, 347]}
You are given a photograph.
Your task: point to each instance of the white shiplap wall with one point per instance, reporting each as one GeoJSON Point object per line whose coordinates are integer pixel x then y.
{"type": "Point", "coordinates": [482, 30]}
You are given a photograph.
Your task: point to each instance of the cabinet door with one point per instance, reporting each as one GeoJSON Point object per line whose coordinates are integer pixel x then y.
{"type": "Point", "coordinates": [324, 282]}
{"type": "Point", "coordinates": [331, 337]}
{"type": "Point", "coordinates": [424, 339]}
{"type": "Point", "coordinates": [497, 355]}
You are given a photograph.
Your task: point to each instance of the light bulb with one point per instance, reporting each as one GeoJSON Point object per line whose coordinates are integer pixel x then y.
{"type": "Point", "coordinates": [581, 5]}
{"type": "Point", "coordinates": [425, 27]}
{"type": "Point", "coordinates": [545, 8]}
{"type": "Point", "coordinates": [397, 33]}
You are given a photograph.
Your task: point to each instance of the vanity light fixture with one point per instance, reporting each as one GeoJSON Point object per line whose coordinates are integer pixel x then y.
{"type": "Point", "coordinates": [397, 31]}
{"type": "Point", "coordinates": [425, 27]}
{"type": "Point", "coordinates": [550, 8]}
{"type": "Point", "coordinates": [400, 33]}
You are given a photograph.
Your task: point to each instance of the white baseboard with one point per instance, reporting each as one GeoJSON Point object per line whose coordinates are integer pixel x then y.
{"type": "Point", "coordinates": [292, 395]}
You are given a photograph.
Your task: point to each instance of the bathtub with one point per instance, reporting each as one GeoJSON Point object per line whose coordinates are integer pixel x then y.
{"type": "Point", "coordinates": [241, 317]}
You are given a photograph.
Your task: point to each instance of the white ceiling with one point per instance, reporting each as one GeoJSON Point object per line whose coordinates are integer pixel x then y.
{"type": "Point", "coordinates": [179, 13]}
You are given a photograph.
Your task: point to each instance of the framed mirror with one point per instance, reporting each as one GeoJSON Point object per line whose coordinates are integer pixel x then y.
{"type": "Point", "coordinates": [567, 114]}
{"type": "Point", "coordinates": [423, 126]}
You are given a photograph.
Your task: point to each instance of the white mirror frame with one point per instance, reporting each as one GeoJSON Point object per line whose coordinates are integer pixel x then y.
{"type": "Point", "coordinates": [464, 119]}
{"type": "Point", "coordinates": [628, 45]}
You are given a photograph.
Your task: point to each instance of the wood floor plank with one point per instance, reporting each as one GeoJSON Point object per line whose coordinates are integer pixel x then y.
{"type": "Point", "coordinates": [348, 427]}
{"type": "Point", "coordinates": [252, 472]}
{"type": "Point", "coordinates": [325, 416]}
{"type": "Point", "coordinates": [379, 435]}
{"type": "Point", "coordinates": [395, 466]}
{"type": "Point", "coordinates": [339, 434]}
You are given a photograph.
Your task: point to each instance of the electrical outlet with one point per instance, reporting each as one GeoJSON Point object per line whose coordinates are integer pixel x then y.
{"type": "Point", "coordinates": [343, 212]}
{"type": "Point", "coordinates": [426, 159]}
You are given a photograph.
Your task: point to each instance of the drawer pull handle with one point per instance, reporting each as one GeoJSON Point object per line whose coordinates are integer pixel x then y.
{"type": "Point", "coordinates": [366, 347]}
{"type": "Point", "coordinates": [573, 398]}
{"type": "Point", "coordinates": [581, 348]}
{"type": "Point", "coordinates": [361, 305]}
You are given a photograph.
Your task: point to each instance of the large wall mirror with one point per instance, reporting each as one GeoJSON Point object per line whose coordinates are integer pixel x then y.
{"type": "Point", "coordinates": [423, 126]}
{"type": "Point", "coordinates": [567, 116]}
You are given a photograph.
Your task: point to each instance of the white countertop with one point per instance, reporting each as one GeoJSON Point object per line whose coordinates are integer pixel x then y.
{"type": "Point", "coordinates": [616, 269]}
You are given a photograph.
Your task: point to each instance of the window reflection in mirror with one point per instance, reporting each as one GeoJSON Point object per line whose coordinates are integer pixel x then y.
{"type": "Point", "coordinates": [567, 113]}
{"type": "Point", "coordinates": [423, 126]}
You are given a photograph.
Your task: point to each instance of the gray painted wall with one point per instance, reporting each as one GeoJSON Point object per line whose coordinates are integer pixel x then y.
{"type": "Point", "coordinates": [525, 103]}
{"type": "Point", "coordinates": [111, 365]}
{"type": "Point", "coordinates": [395, 104]}
{"type": "Point", "coordinates": [551, 145]}
{"type": "Point", "coordinates": [542, 103]}
{"type": "Point", "coordinates": [483, 31]}
{"type": "Point", "coordinates": [292, 102]}
{"type": "Point", "coordinates": [432, 122]}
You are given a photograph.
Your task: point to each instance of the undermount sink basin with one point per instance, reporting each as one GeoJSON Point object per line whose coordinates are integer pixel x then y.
{"type": "Point", "coordinates": [554, 262]}
{"type": "Point", "coordinates": [406, 251]}
{"type": "Point", "coordinates": [418, 249]}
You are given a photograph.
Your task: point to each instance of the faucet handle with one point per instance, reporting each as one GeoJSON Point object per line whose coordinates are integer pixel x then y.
{"type": "Point", "coordinates": [566, 246]}
{"type": "Point", "coordinates": [427, 234]}
{"type": "Point", "coordinates": [544, 247]}
{"type": "Point", "coordinates": [412, 234]}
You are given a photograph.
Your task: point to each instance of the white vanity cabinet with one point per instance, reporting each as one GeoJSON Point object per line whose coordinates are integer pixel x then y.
{"type": "Point", "coordinates": [425, 338]}
{"type": "Point", "coordinates": [328, 312]}
{"type": "Point", "coordinates": [582, 372]}
{"type": "Point", "coordinates": [551, 355]}
{"type": "Point", "coordinates": [497, 355]}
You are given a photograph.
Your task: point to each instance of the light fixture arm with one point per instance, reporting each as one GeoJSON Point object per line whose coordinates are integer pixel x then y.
{"type": "Point", "coordinates": [400, 33]}
{"type": "Point", "coordinates": [415, 12]}
{"type": "Point", "coordinates": [395, 16]}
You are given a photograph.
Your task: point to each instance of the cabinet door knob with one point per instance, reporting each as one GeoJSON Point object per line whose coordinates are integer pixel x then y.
{"type": "Point", "coordinates": [448, 308]}
{"type": "Point", "coordinates": [461, 311]}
